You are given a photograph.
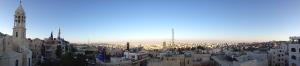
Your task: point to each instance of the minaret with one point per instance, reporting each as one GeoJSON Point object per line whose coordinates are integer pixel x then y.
{"type": "Point", "coordinates": [58, 37]}
{"type": "Point", "coordinates": [127, 46]}
{"type": "Point", "coordinates": [51, 36]}
{"type": "Point", "coordinates": [19, 29]}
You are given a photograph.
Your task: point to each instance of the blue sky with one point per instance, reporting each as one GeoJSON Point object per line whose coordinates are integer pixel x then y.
{"type": "Point", "coordinates": [101, 20]}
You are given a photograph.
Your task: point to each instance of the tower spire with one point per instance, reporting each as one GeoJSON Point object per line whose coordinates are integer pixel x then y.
{"type": "Point", "coordinates": [51, 35]}
{"type": "Point", "coordinates": [21, 2]}
{"type": "Point", "coordinates": [172, 37]}
{"type": "Point", "coordinates": [58, 33]}
{"type": "Point", "coordinates": [19, 28]}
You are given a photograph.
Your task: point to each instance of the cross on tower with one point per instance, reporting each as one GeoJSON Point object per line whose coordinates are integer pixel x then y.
{"type": "Point", "coordinates": [20, 1]}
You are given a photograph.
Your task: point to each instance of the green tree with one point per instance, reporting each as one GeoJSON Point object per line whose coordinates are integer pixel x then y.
{"type": "Point", "coordinates": [58, 51]}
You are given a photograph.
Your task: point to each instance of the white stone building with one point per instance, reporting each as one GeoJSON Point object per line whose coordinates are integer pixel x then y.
{"type": "Point", "coordinates": [14, 49]}
{"type": "Point", "coordinates": [294, 51]}
{"type": "Point", "coordinates": [36, 46]}
{"type": "Point", "coordinates": [243, 60]}
{"type": "Point", "coordinates": [278, 55]}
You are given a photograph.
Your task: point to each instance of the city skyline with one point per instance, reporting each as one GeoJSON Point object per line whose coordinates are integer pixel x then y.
{"type": "Point", "coordinates": [94, 20]}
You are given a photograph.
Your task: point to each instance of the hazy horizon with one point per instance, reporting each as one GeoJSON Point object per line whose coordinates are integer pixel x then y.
{"type": "Point", "coordinates": [113, 20]}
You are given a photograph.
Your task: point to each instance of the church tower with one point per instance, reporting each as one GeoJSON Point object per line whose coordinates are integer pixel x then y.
{"type": "Point", "coordinates": [19, 30]}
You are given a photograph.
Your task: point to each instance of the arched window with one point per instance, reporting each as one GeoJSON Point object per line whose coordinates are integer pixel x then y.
{"type": "Point", "coordinates": [16, 34]}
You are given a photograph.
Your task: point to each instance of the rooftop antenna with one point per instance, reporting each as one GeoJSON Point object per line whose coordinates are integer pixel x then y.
{"type": "Point", "coordinates": [172, 37]}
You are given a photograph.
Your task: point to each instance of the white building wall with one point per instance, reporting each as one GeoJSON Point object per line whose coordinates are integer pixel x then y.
{"type": "Point", "coordinates": [279, 55]}
{"type": "Point", "coordinates": [295, 54]}
{"type": "Point", "coordinates": [246, 63]}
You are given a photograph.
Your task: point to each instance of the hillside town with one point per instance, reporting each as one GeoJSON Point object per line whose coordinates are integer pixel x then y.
{"type": "Point", "coordinates": [18, 50]}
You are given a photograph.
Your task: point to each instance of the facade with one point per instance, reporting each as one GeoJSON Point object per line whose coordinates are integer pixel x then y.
{"type": "Point", "coordinates": [278, 55]}
{"type": "Point", "coordinates": [260, 57]}
{"type": "Point", "coordinates": [15, 49]}
{"type": "Point", "coordinates": [164, 46]}
{"type": "Point", "coordinates": [243, 60]}
{"type": "Point", "coordinates": [201, 60]}
{"type": "Point", "coordinates": [240, 59]}
{"type": "Point", "coordinates": [294, 51]}
{"type": "Point", "coordinates": [35, 46]}
{"type": "Point", "coordinates": [55, 47]}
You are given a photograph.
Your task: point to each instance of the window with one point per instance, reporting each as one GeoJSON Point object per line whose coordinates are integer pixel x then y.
{"type": "Point", "coordinates": [293, 50]}
{"type": "Point", "coordinates": [29, 62]}
{"type": "Point", "coordinates": [17, 63]}
{"type": "Point", "coordinates": [293, 57]}
{"type": "Point", "coordinates": [277, 64]}
{"type": "Point", "coordinates": [16, 34]}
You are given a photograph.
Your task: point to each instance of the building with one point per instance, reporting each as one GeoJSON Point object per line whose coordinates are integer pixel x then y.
{"type": "Point", "coordinates": [14, 49]}
{"type": "Point", "coordinates": [201, 60]}
{"type": "Point", "coordinates": [164, 45]}
{"type": "Point", "coordinates": [36, 46]}
{"type": "Point", "coordinates": [226, 60]}
{"type": "Point", "coordinates": [176, 60]}
{"type": "Point", "coordinates": [127, 46]}
{"type": "Point", "coordinates": [260, 56]}
{"type": "Point", "coordinates": [294, 51]}
{"type": "Point", "coordinates": [55, 47]}
{"type": "Point", "coordinates": [278, 55]}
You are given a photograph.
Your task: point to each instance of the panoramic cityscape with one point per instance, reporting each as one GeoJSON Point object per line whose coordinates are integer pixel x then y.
{"type": "Point", "coordinates": [149, 33]}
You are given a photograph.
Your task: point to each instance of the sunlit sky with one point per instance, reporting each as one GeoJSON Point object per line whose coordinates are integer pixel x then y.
{"type": "Point", "coordinates": [101, 20]}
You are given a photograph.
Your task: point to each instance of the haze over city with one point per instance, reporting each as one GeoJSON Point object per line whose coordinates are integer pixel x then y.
{"type": "Point", "coordinates": [149, 32]}
{"type": "Point", "coordinates": [105, 20]}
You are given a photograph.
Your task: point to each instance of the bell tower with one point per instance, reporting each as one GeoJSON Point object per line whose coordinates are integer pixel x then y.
{"type": "Point", "coordinates": [19, 30]}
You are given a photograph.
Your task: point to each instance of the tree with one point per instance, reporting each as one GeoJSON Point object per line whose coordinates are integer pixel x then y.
{"type": "Point", "coordinates": [67, 60]}
{"type": "Point", "coordinates": [58, 51]}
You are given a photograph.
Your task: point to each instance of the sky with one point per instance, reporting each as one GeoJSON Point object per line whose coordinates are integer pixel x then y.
{"type": "Point", "coordinates": [105, 20]}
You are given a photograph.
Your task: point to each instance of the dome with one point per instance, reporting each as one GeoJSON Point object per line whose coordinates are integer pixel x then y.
{"type": "Point", "coordinates": [20, 10]}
